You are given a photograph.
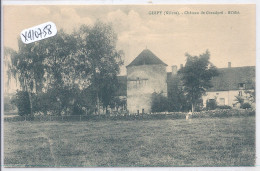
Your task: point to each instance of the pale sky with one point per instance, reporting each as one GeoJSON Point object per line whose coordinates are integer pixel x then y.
{"type": "Point", "coordinates": [227, 37]}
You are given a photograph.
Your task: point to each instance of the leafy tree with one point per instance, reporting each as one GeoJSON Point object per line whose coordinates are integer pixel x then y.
{"type": "Point", "coordinates": [59, 59]}
{"type": "Point", "coordinates": [196, 76]}
{"type": "Point", "coordinates": [97, 48]}
{"type": "Point", "coordinates": [8, 106]}
{"type": "Point", "coordinates": [87, 101]}
{"type": "Point", "coordinates": [26, 67]}
{"type": "Point", "coordinates": [250, 94]}
{"type": "Point", "coordinates": [176, 96]}
{"type": "Point", "coordinates": [117, 102]}
{"type": "Point", "coordinates": [42, 66]}
{"type": "Point", "coordinates": [159, 103]}
{"type": "Point", "coordinates": [239, 100]}
{"type": "Point", "coordinates": [22, 102]}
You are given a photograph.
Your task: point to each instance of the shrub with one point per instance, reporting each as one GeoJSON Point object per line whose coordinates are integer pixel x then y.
{"type": "Point", "coordinates": [211, 104]}
{"type": "Point", "coordinates": [8, 106]}
{"type": "Point", "coordinates": [245, 106]}
{"type": "Point", "coordinates": [224, 107]}
{"type": "Point", "coordinates": [77, 110]}
{"type": "Point", "coordinates": [159, 103]}
{"type": "Point", "coordinates": [223, 113]}
{"type": "Point", "coordinates": [22, 102]}
{"type": "Point", "coordinates": [251, 113]}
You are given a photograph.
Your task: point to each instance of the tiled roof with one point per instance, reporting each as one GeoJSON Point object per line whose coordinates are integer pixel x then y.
{"type": "Point", "coordinates": [229, 78]}
{"type": "Point", "coordinates": [146, 57]}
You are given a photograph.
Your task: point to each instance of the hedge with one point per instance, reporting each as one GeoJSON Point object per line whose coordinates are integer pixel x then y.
{"type": "Point", "coordinates": [221, 113]}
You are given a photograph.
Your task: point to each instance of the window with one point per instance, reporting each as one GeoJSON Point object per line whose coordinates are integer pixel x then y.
{"type": "Point", "coordinates": [137, 83]}
{"type": "Point", "coordinates": [221, 101]}
{"type": "Point", "coordinates": [241, 86]}
{"type": "Point", "coordinates": [211, 99]}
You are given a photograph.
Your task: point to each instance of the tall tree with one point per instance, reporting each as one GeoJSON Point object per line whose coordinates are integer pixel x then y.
{"type": "Point", "coordinates": [98, 51]}
{"type": "Point", "coordinates": [26, 67]}
{"type": "Point", "coordinates": [59, 59]}
{"type": "Point", "coordinates": [196, 76]}
{"type": "Point", "coordinates": [176, 96]}
{"type": "Point", "coordinates": [59, 62]}
{"type": "Point", "coordinates": [42, 65]}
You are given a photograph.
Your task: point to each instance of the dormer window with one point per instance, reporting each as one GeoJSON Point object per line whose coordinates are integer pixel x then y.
{"type": "Point", "coordinates": [241, 86]}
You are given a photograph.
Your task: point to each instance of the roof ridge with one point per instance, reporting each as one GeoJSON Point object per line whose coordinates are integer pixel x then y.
{"type": "Point", "coordinates": [238, 67]}
{"type": "Point", "coordinates": [146, 57]}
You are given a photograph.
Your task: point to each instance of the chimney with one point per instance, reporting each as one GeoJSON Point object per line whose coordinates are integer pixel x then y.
{"type": "Point", "coordinates": [174, 69]}
{"type": "Point", "coordinates": [229, 64]}
{"type": "Point", "coordinates": [181, 66]}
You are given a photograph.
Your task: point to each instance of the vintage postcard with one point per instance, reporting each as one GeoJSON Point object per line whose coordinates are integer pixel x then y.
{"type": "Point", "coordinates": [129, 85]}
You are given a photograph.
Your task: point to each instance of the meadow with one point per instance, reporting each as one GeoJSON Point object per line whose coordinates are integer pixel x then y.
{"type": "Point", "coordinates": [120, 143]}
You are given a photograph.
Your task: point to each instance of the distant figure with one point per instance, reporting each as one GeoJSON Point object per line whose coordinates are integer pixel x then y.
{"type": "Point", "coordinates": [188, 115]}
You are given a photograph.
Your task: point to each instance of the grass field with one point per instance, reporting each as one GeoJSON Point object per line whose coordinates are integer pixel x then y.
{"type": "Point", "coordinates": [196, 142]}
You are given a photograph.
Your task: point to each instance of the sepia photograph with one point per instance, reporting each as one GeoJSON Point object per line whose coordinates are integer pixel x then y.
{"type": "Point", "coordinates": [88, 86]}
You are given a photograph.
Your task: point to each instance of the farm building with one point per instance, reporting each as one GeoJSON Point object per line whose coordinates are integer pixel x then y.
{"type": "Point", "coordinates": [147, 74]}
{"type": "Point", "coordinates": [231, 82]}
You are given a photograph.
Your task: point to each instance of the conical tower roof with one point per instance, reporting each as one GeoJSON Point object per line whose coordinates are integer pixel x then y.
{"type": "Point", "coordinates": [146, 57]}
